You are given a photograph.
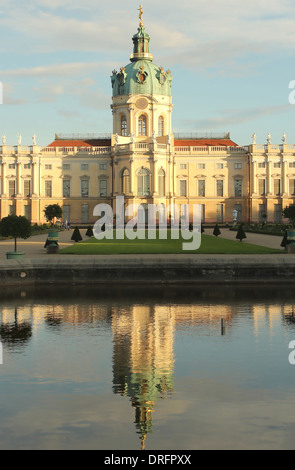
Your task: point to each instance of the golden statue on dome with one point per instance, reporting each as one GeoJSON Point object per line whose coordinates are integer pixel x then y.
{"type": "Point", "coordinates": [140, 16]}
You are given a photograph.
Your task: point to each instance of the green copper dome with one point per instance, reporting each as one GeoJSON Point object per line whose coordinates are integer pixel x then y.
{"type": "Point", "coordinates": [141, 76]}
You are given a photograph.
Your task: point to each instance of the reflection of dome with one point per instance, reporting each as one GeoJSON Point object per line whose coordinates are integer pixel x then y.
{"type": "Point", "coordinates": [143, 360]}
{"type": "Point", "coordinates": [141, 76]}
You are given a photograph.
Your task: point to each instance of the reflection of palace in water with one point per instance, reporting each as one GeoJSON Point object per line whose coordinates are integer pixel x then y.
{"type": "Point", "coordinates": [143, 336]}
{"type": "Point", "coordinates": [143, 358]}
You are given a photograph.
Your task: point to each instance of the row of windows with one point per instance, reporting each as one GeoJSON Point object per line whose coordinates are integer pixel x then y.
{"type": "Point", "coordinates": [218, 166]}
{"type": "Point", "coordinates": [275, 165]}
{"type": "Point", "coordinates": [277, 187]}
{"type": "Point", "coordinates": [143, 186]}
{"type": "Point", "coordinates": [182, 166]}
{"type": "Point", "coordinates": [66, 166]}
{"type": "Point", "coordinates": [142, 126]}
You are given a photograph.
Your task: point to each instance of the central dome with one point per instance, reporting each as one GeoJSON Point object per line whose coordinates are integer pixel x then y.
{"type": "Point", "coordinates": [141, 76]}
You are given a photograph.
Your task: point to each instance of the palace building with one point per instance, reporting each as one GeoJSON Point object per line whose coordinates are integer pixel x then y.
{"type": "Point", "coordinates": [144, 161]}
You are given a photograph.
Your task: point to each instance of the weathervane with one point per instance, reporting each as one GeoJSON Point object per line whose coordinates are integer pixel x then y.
{"type": "Point", "coordinates": [140, 16]}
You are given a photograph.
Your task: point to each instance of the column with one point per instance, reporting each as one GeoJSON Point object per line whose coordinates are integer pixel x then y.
{"type": "Point", "coordinates": [131, 177]}
{"type": "Point", "coordinates": [269, 180]}
{"type": "Point", "coordinates": [155, 178]}
{"type": "Point", "coordinates": [18, 179]}
{"type": "Point", "coordinates": [34, 179]}
{"type": "Point", "coordinates": [284, 179]}
{"type": "Point", "coordinates": [4, 181]}
{"type": "Point", "coordinates": [253, 189]}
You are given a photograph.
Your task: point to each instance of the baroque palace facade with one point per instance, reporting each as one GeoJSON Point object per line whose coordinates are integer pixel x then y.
{"type": "Point", "coordinates": [144, 161]}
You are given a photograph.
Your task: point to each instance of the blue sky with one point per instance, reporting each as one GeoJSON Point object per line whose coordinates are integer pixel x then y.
{"type": "Point", "coordinates": [231, 61]}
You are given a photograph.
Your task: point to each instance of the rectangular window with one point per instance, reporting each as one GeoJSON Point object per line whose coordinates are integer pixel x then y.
{"type": "Point", "coordinates": [219, 213]}
{"type": "Point", "coordinates": [238, 208]}
{"type": "Point", "coordinates": [11, 166]}
{"type": "Point", "coordinates": [84, 188]}
{"type": "Point", "coordinates": [183, 187]}
{"type": "Point", "coordinates": [84, 166]}
{"type": "Point", "coordinates": [27, 211]}
{"type": "Point", "coordinates": [277, 165]}
{"type": "Point", "coordinates": [238, 187]}
{"type": "Point", "coordinates": [66, 213]}
{"type": "Point", "coordinates": [201, 188]}
{"type": "Point", "coordinates": [102, 166]}
{"type": "Point", "coordinates": [277, 213]}
{"type": "Point", "coordinates": [66, 166]}
{"type": "Point", "coordinates": [12, 209]}
{"type": "Point", "coordinates": [261, 165]}
{"type": "Point", "coordinates": [292, 165]}
{"type": "Point", "coordinates": [84, 214]}
{"type": "Point", "coordinates": [27, 188]}
{"type": "Point", "coordinates": [201, 166]}
{"type": "Point", "coordinates": [66, 188]}
{"type": "Point", "coordinates": [261, 213]}
{"type": "Point", "coordinates": [261, 187]}
{"type": "Point", "coordinates": [183, 166]}
{"type": "Point", "coordinates": [277, 187]}
{"type": "Point", "coordinates": [11, 188]}
{"type": "Point", "coordinates": [48, 167]}
{"type": "Point", "coordinates": [48, 188]}
{"type": "Point", "coordinates": [292, 187]}
{"type": "Point", "coordinates": [238, 166]}
{"type": "Point", "coordinates": [219, 188]}
{"type": "Point", "coordinates": [203, 213]}
{"type": "Point", "coordinates": [27, 166]}
{"type": "Point", "coordinates": [103, 188]}
{"type": "Point", "coordinates": [219, 166]}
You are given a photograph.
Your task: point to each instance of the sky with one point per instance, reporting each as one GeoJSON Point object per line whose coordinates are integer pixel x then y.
{"type": "Point", "coordinates": [232, 63]}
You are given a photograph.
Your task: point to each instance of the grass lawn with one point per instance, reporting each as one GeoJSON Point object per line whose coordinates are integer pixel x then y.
{"type": "Point", "coordinates": [209, 245]}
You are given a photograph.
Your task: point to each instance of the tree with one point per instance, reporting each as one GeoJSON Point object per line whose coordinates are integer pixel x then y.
{"type": "Point", "coordinates": [89, 232]}
{"type": "Point", "coordinates": [241, 233]}
{"type": "Point", "coordinates": [289, 213]}
{"type": "Point", "coordinates": [76, 235]}
{"type": "Point", "coordinates": [216, 231]}
{"type": "Point", "coordinates": [16, 226]}
{"type": "Point", "coordinates": [52, 211]}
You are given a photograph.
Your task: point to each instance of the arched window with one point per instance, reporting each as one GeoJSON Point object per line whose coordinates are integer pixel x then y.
{"type": "Point", "coordinates": [125, 181]}
{"type": "Point", "coordinates": [161, 182]}
{"type": "Point", "coordinates": [161, 126]}
{"type": "Point", "coordinates": [123, 126]}
{"type": "Point", "coordinates": [143, 182]}
{"type": "Point", "coordinates": [142, 125]}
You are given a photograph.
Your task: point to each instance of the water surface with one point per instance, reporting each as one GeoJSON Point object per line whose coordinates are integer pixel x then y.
{"type": "Point", "coordinates": [131, 368]}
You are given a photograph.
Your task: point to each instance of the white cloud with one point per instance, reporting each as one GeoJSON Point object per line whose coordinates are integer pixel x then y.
{"type": "Point", "coordinates": [237, 116]}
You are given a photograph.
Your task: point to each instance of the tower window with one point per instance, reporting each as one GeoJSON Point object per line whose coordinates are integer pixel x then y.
{"type": "Point", "coordinates": [125, 182]}
{"type": "Point", "coordinates": [124, 126]}
{"type": "Point", "coordinates": [142, 125]}
{"type": "Point", "coordinates": [143, 182]}
{"type": "Point", "coordinates": [161, 126]}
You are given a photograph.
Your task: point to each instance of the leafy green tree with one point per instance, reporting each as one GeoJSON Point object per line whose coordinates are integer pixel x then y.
{"type": "Point", "coordinates": [289, 213]}
{"type": "Point", "coordinates": [53, 211]}
{"type": "Point", "coordinates": [15, 226]}
{"type": "Point", "coordinates": [241, 233]}
{"type": "Point", "coordinates": [76, 235]}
